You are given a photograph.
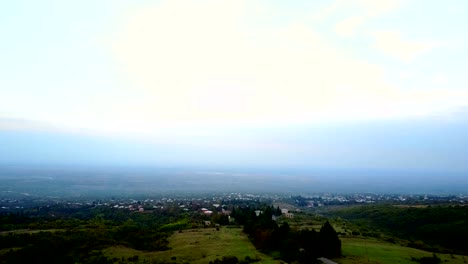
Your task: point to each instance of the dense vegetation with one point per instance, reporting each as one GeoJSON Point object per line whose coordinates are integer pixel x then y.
{"type": "Point", "coordinates": [293, 245]}
{"type": "Point", "coordinates": [438, 228]}
{"type": "Point", "coordinates": [79, 238]}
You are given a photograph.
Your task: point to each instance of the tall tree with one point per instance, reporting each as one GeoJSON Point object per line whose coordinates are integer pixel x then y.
{"type": "Point", "coordinates": [330, 244]}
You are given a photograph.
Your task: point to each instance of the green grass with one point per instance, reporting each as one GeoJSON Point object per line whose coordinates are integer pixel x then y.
{"type": "Point", "coordinates": [30, 231]}
{"type": "Point", "coordinates": [6, 250]}
{"type": "Point", "coordinates": [362, 250]}
{"type": "Point", "coordinates": [182, 224]}
{"type": "Point", "coordinates": [198, 246]}
{"type": "Point", "coordinates": [303, 221]}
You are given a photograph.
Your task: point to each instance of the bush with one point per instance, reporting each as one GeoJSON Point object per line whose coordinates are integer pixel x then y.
{"type": "Point", "coordinates": [230, 260]}
{"type": "Point", "coordinates": [226, 260]}
{"type": "Point", "coordinates": [248, 260]}
{"type": "Point", "coordinates": [428, 260]}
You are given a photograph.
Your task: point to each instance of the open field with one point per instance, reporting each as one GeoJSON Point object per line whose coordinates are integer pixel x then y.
{"type": "Point", "coordinates": [198, 246]}
{"type": "Point", "coordinates": [303, 221]}
{"type": "Point", "coordinates": [359, 250]}
{"type": "Point", "coordinates": [30, 231]}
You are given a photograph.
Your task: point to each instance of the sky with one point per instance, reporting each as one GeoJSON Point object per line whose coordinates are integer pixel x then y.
{"type": "Point", "coordinates": [319, 84]}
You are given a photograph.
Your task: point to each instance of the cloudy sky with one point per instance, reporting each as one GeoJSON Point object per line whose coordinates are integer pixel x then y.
{"type": "Point", "coordinates": [340, 84]}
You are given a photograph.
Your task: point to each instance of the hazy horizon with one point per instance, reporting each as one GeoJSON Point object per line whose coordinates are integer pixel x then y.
{"type": "Point", "coordinates": [105, 181]}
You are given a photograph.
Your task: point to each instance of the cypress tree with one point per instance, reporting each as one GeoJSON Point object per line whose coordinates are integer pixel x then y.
{"type": "Point", "coordinates": [330, 244]}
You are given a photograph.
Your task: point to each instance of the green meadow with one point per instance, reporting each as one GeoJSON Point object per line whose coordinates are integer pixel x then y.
{"type": "Point", "coordinates": [198, 246]}
{"type": "Point", "coordinates": [369, 250]}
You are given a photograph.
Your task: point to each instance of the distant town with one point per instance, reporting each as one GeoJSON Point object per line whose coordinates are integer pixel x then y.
{"type": "Point", "coordinates": [216, 202]}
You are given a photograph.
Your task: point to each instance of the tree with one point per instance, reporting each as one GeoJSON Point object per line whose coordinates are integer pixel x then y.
{"type": "Point", "coordinates": [330, 244]}
{"type": "Point", "coordinates": [310, 242]}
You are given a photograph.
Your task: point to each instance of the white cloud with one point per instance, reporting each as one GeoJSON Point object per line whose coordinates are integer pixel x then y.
{"type": "Point", "coordinates": [328, 10]}
{"type": "Point", "coordinates": [440, 78]}
{"type": "Point", "coordinates": [198, 63]}
{"type": "Point", "coordinates": [347, 27]}
{"type": "Point", "coordinates": [376, 8]}
{"type": "Point", "coordinates": [23, 125]}
{"type": "Point", "coordinates": [391, 43]}
{"type": "Point", "coordinates": [363, 8]}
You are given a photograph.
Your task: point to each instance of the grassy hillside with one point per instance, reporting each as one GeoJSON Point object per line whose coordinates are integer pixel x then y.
{"type": "Point", "coordinates": [369, 250]}
{"type": "Point", "coordinates": [438, 228]}
{"type": "Point", "coordinates": [198, 246]}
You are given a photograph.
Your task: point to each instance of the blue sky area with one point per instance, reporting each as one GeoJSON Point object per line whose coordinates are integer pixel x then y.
{"type": "Point", "coordinates": [310, 84]}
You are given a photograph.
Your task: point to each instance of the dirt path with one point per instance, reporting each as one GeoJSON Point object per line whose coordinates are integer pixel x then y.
{"type": "Point", "coordinates": [327, 261]}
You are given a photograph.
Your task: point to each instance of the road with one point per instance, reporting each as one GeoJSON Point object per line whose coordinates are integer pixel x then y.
{"type": "Point", "coordinates": [327, 261]}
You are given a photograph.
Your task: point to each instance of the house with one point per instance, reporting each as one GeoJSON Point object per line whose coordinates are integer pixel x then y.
{"type": "Point", "coordinates": [226, 212]}
{"type": "Point", "coordinates": [284, 211]}
{"type": "Point", "coordinates": [289, 215]}
{"type": "Point", "coordinates": [207, 223]}
{"type": "Point", "coordinates": [258, 212]}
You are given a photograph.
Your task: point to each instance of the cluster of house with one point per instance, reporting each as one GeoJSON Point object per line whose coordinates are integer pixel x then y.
{"type": "Point", "coordinates": [286, 213]}
{"type": "Point", "coordinates": [205, 211]}
{"type": "Point", "coordinates": [131, 207]}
